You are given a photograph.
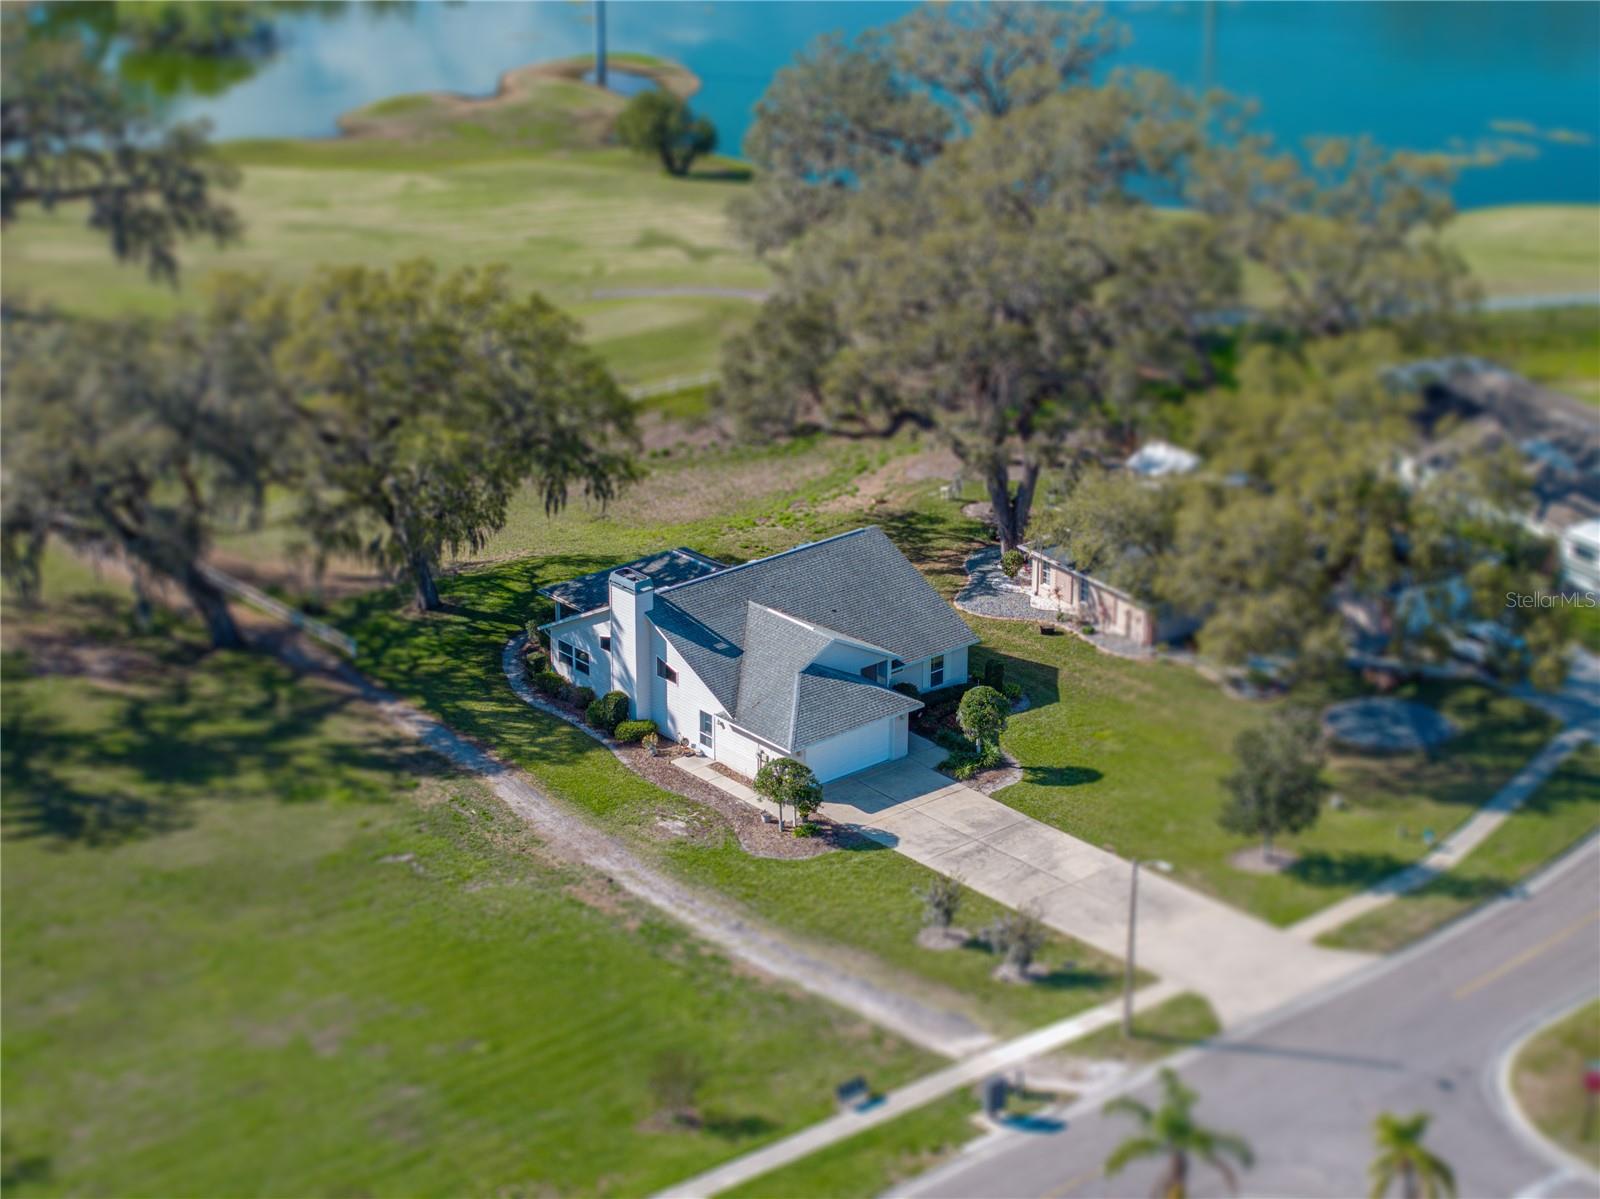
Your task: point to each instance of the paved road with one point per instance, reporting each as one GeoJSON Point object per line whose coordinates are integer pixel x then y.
{"type": "Point", "coordinates": [1424, 1031]}
{"type": "Point", "coordinates": [1244, 966]}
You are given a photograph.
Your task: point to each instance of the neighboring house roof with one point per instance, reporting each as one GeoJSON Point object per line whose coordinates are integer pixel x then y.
{"type": "Point", "coordinates": [1058, 556]}
{"type": "Point", "coordinates": [1157, 459]}
{"type": "Point", "coordinates": [591, 591]}
{"type": "Point", "coordinates": [1471, 407]}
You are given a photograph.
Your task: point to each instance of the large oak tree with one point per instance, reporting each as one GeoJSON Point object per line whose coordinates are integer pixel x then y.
{"type": "Point", "coordinates": [424, 402]}
{"type": "Point", "coordinates": [134, 439]}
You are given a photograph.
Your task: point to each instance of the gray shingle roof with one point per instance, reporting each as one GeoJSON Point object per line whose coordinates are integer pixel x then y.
{"type": "Point", "coordinates": [776, 650]}
{"type": "Point", "coordinates": [829, 702]}
{"type": "Point", "coordinates": [588, 592]}
{"type": "Point", "coordinates": [858, 584]}
{"type": "Point", "coordinates": [731, 629]}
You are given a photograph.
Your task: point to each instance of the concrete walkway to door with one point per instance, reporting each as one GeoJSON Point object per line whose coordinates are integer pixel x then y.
{"type": "Point", "coordinates": [1244, 966]}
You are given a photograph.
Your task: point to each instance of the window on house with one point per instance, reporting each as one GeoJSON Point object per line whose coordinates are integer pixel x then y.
{"type": "Point", "coordinates": [1044, 573]}
{"type": "Point", "coordinates": [874, 671]}
{"type": "Point", "coordinates": [664, 671]}
{"type": "Point", "coordinates": [705, 729]}
{"type": "Point", "coordinates": [936, 671]}
{"type": "Point", "coordinates": [605, 644]}
{"type": "Point", "coordinates": [1584, 553]}
{"type": "Point", "coordinates": [577, 660]}
{"type": "Point", "coordinates": [896, 666]}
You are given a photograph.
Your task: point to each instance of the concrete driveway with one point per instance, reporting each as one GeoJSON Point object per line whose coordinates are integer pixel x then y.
{"type": "Point", "coordinates": [1244, 966]}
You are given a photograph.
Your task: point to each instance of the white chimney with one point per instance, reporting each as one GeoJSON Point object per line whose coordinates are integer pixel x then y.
{"type": "Point", "coordinates": [632, 663]}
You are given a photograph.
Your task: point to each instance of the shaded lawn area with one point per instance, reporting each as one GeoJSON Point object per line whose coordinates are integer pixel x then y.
{"type": "Point", "coordinates": [256, 944]}
{"type": "Point", "coordinates": [1547, 1079]}
{"type": "Point", "coordinates": [1560, 814]}
{"type": "Point", "coordinates": [861, 902]}
{"type": "Point", "coordinates": [1131, 757]}
{"type": "Point", "coordinates": [871, 1162]}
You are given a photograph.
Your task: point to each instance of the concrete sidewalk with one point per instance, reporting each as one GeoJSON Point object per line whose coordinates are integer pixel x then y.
{"type": "Point", "coordinates": [912, 1096]}
{"type": "Point", "coordinates": [1244, 966]}
{"type": "Point", "coordinates": [1449, 852]}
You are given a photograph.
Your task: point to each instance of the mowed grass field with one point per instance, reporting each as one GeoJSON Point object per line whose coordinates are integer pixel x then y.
{"type": "Point", "coordinates": [567, 223]}
{"type": "Point", "coordinates": [255, 944]}
{"type": "Point", "coordinates": [532, 182]}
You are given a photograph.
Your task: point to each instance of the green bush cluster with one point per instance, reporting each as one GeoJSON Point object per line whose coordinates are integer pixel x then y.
{"type": "Point", "coordinates": [607, 712]}
{"type": "Point", "coordinates": [633, 730]}
{"type": "Point", "coordinates": [549, 684]}
{"type": "Point", "coordinates": [994, 674]}
{"type": "Point", "coordinates": [1012, 562]}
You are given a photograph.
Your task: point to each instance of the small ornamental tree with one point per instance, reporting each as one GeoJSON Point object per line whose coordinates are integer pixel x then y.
{"type": "Point", "coordinates": [1018, 937]}
{"type": "Point", "coordinates": [789, 783]}
{"type": "Point", "coordinates": [659, 123]}
{"type": "Point", "coordinates": [982, 715]}
{"type": "Point", "coordinates": [1278, 786]}
{"type": "Point", "coordinates": [941, 898]}
{"type": "Point", "coordinates": [1012, 562]}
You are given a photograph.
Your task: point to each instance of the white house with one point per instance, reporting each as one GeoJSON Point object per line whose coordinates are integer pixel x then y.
{"type": "Point", "coordinates": [794, 655]}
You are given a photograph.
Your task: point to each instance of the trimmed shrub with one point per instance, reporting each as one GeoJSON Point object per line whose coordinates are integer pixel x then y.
{"type": "Point", "coordinates": [607, 712]}
{"type": "Point", "coordinates": [994, 674]}
{"type": "Point", "coordinates": [906, 689]}
{"type": "Point", "coordinates": [549, 683]}
{"type": "Point", "coordinates": [537, 661]}
{"type": "Point", "coordinates": [582, 697]}
{"type": "Point", "coordinates": [1013, 691]}
{"type": "Point", "coordinates": [633, 730]}
{"type": "Point", "coordinates": [1012, 562]}
{"type": "Point", "coordinates": [982, 715]}
{"type": "Point", "coordinates": [789, 782]}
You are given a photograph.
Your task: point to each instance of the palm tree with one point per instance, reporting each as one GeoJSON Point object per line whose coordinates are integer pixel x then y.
{"type": "Point", "coordinates": [1170, 1131]}
{"type": "Point", "coordinates": [1402, 1155]}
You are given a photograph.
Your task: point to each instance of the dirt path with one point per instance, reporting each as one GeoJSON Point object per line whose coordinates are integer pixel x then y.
{"type": "Point", "coordinates": [568, 835]}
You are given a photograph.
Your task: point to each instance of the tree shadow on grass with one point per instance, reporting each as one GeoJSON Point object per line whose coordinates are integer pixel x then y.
{"type": "Point", "coordinates": [1060, 776]}
{"type": "Point", "coordinates": [236, 727]}
{"type": "Point", "coordinates": [1041, 681]}
{"type": "Point", "coordinates": [737, 1128]}
{"type": "Point", "coordinates": [1367, 869]}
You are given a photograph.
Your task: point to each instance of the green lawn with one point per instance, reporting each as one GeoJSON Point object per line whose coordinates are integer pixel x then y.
{"type": "Point", "coordinates": [530, 182]}
{"type": "Point", "coordinates": [1131, 757]}
{"type": "Point", "coordinates": [1530, 249]}
{"type": "Point", "coordinates": [1547, 1078]}
{"type": "Point", "coordinates": [256, 944]}
{"type": "Point", "coordinates": [1561, 813]}
{"type": "Point", "coordinates": [1558, 346]}
{"type": "Point", "coordinates": [1181, 1021]}
{"type": "Point", "coordinates": [871, 1162]}
{"type": "Point", "coordinates": [861, 903]}
{"type": "Point", "coordinates": [566, 224]}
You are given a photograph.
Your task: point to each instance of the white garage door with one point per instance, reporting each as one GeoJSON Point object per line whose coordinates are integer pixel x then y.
{"type": "Point", "coordinates": [852, 751]}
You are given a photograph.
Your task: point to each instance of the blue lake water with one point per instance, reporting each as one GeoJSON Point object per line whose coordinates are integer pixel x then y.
{"type": "Point", "coordinates": [1522, 78]}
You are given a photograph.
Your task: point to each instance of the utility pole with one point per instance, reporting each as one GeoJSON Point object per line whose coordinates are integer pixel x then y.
{"type": "Point", "coordinates": [600, 43]}
{"type": "Point", "coordinates": [1133, 918]}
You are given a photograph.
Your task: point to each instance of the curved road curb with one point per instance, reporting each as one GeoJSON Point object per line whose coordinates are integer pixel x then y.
{"type": "Point", "coordinates": [1505, 1096]}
